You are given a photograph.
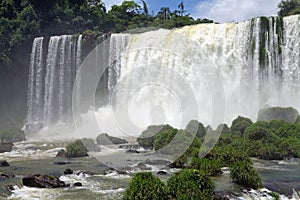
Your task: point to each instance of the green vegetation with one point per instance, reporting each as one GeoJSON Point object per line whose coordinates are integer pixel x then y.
{"type": "Point", "coordinates": [289, 7]}
{"type": "Point", "coordinates": [239, 125]}
{"type": "Point", "coordinates": [147, 187]}
{"type": "Point", "coordinates": [245, 174]}
{"type": "Point", "coordinates": [12, 135]}
{"type": "Point", "coordinates": [20, 21]}
{"type": "Point", "coordinates": [76, 149]}
{"type": "Point", "coordinates": [190, 184]}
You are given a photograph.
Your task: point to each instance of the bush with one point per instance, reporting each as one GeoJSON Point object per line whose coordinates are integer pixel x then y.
{"type": "Point", "coordinates": [146, 139]}
{"type": "Point", "coordinates": [194, 125]}
{"type": "Point", "coordinates": [245, 174]}
{"type": "Point", "coordinates": [239, 125]}
{"type": "Point", "coordinates": [163, 138]}
{"type": "Point", "coordinates": [209, 167]}
{"type": "Point", "coordinates": [76, 149]}
{"type": "Point", "coordinates": [190, 184]}
{"type": "Point", "coordinates": [223, 129]}
{"type": "Point", "coordinates": [12, 135]}
{"type": "Point", "coordinates": [147, 187]}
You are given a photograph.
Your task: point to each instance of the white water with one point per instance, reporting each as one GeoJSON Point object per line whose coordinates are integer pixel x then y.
{"type": "Point", "coordinates": [211, 72]}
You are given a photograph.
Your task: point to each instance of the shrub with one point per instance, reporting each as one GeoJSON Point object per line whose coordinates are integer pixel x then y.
{"type": "Point", "coordinates": [190, 184]}
{"type": "Point", "coordinates": [163, 138]}
{"type": "Point", "coordinates": [209, 167]}
{"type": "Point", "coordinates": [147, 187]}
{"type": "Point", "coordinates": [146, 139]}
{"type": "Point", "coordinates": [76, 149]}
{"type": "Point", "coordinates": [239, 125]}
{"type": "Point", "coordinates": [194, 125]}
{"type": "Point", "coordinates": [12, 135]}
{"type": "Point", "coordinates": [223, 128]}
{"type": "Point", "coordinates": [245, 174]}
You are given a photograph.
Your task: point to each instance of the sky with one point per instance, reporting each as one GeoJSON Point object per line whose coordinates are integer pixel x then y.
{"type": "Point", "coordinates": [217, 10]}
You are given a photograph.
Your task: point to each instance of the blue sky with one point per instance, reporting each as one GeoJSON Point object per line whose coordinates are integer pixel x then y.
{"type": "Point", "coordinates": [218, 10]}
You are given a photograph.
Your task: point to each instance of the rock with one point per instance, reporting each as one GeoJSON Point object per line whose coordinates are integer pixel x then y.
{"type": "Point", "coordinates": [278, 113]}
{"type": "Point", "coordinates": [76, 149]}
{"type": "Point", "coordinates": [10, 187]}
{"type": "Point", "coordinates": [105, 139]}
{"type": "Point", "coordinates": [220, 196]}
{"type": "Point", "coordinates": [90, 144]}
{"type": "Point", "coordinates": [68, 171]}
{"type": "Point", "coordinates": [85, 173]}
{"type": "Point", "coordinates": [4, 163]}
{"type": "Point", "coordinates": [132, 151]}
{"type": "Point", "coordinates": [77, 184]}
{"type": "Point", "coordinates": [129, 146]}
{"type": "Point", "coordinates": [43, 181]}
{"type": "Point", "coordinates": [61, 154]}
{"type": "Point", "coordinates": [143, 166]}
{"type": "Point", "coordinates": [162, 173]}
{"type": "Point", "coordinates": [5, 146]}
{"type": "Point", "coordinates": [12, 135]}
{"type": "Point", "coordinates": [62, 163]}
{"type": "Point", "coordinates": [6, 176]}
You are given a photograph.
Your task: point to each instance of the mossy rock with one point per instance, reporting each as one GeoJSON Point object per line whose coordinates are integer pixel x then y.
{"type": "Point", "coordinates": [76, 149]}
{"type": "Point", "coordinates": [12, 135]}
{"type": "Point", "coordinates": [278, 113]}
{"type": "Point", "coordinates": [105, 139]}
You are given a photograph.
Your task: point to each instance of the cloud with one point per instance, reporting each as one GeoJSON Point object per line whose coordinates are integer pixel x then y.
{"type": "Point", "coordinates": [110, 3]}
{"type": "Point", "coordinates": [234, 10]}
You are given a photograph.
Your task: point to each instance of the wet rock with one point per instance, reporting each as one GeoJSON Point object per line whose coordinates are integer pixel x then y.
{"type": "Point", "coordinates": [129, 146]}
{"type": "Point", "coordinates": [77, 184]}
{"type": "Point", "coordinates": [6, 176]}
{"type": "Point", "coordinates": [85, 173]}
{"type": "Point", "coordinates": [143, 166]}
{"type": "Point", "coordinates": [61, 154]}
{"type": "Point", "coordinates": [162, 173]}
{"type": "Point", "coordinates": [43, 181]}
{"type": "Point", "coordinates": [68, 171]}
{"type": "Point", "coordinates": [10, 187]}
{"type": "Point", "coordinates": [6, 146]}
{"type": "Point", "coordinates": [220, 196]}
{"type": "Point", "coordinates": [62, 163]}
{"type": "Point", "coordinates": [105, 139]}
{"type": "Point", "coordinates": [132, 151]}
{"type": "Point", "coordinates": [4, 163]}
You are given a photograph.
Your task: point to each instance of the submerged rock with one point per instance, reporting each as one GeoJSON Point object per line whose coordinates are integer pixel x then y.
{"type": "Point", "coordinates": [162, 173]}
{"type": "Point", "coordinates": [43, 181]}
{"type": "Point", "coordinates": [132, 151]}
{"type": "Point", "coordinates": [5, 146]}
{"type": "Point", "coordinates": [77, 184]}
{"type": "Point", "coordinates": [62, 162]}
{"type": "Point", "coordinates": [143, 166]}
{"type": "Point", "coordinates": [4, 163]}
{"type": "Point", "coordinates": [6, 176]}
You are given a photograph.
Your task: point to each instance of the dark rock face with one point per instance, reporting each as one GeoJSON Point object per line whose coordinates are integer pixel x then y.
{"type": "Point", "coordinates": [43, 181]}
{"type": "Point", "coordinates": [68, 171]}
{"type": "Point", "coordinates": [132, 151]}
{"type": "Point", "coordinates": [278, 113]}
{"type": "Point", "coordinates": [62, 163]}
{"type": "Point", "coordinates": [105, 139]}
{"type": "Point", "coordinates": [77, 184]}
{"type": "Point", "coordinates": [5, 146]}
{"type": "Point", "coordinates": [4, 163]}
{"type": "Point", "coordinates": [6, 176]}
{"type": "Point", "coordinates": [61, 154]}
{"type": "Point", "coordinates": [162, 173]}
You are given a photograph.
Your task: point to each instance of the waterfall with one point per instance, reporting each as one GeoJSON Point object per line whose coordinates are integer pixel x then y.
{"type": "Point", "coordinates": [52, 73]}
{"type": "Point", "coordinates": [159, 74]}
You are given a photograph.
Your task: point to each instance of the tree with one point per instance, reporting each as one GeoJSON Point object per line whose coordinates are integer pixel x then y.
{"type": "Point", "coordinates": [289, 7]}
{"type": "Point", "coordinates": [181, 8]}
{"type": "Point", "coordinates": [164, 13]}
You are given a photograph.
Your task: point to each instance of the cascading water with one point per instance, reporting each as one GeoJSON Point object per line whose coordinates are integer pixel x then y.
{"type": "Point", "coordinates": [256, 62]}
{"type": "Point", "coordinates": [51, 76]}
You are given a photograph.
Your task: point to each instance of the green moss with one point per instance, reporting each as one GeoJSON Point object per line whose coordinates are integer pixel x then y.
{"type": "Point", "coordinates": [76, 149]}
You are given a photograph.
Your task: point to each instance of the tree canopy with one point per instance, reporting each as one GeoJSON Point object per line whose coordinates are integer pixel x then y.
{"type": "Point", "coordinates": [289, 7]}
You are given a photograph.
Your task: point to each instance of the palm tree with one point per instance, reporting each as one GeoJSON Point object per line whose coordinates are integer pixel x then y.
{"type": "Point", "coordinates": [164, 13]}
{"type": "Point", "coordinates": [181, 7]}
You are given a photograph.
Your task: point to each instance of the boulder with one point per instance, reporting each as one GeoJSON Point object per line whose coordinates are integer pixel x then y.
{"type": "Point", "coordinates": [4, 163]}
{"type": "Point", "coordinates": [132, 151]}
{"type": "Point", "coordinates": [12, 135]}
{"type": "Point", "coordinates": [105, 139]}
{"type": "Point", "coordinates": [162, 173]}
{"type": "Point", "coordinates": [5, 146]}
{"type": "Point", "coordinates": [6, 176]}
{"type": "Point", "coordinates": [43, 181]}
{"type": "Point", "coordinates": [76, 149]}
{"type": "Point", "coordinates": [68, 171]}
{"type": "Point", "coordinates": [129, 146]}
{"type": "Point", "coordinates": [61, 154]}
{"type": "Point", "coordinates": [278, 113]}
{"type": "Point", "coordinates": [77, 184]}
